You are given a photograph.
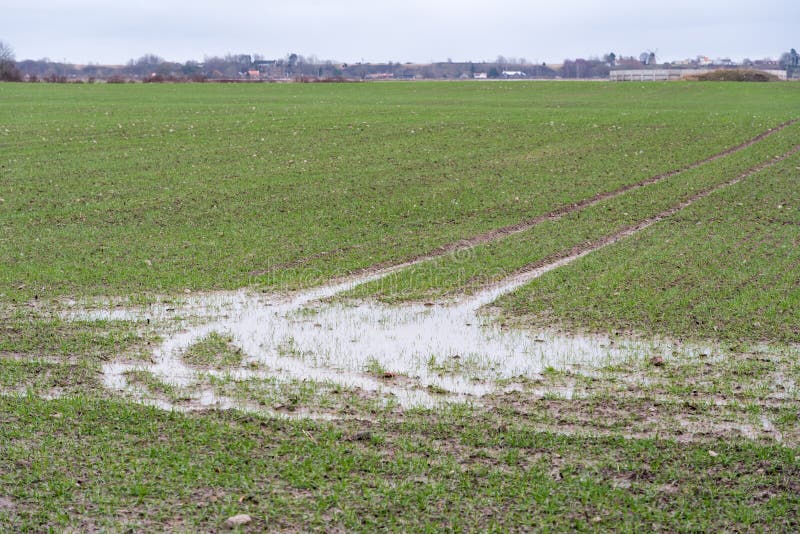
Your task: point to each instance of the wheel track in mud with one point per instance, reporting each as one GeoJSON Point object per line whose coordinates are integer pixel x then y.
{"type": "Point", "coordinates": [114, 372]}
{"type": "Point", "coordinates": [557, 213]}
{"type": "Point", "coordinates": [571, 254]}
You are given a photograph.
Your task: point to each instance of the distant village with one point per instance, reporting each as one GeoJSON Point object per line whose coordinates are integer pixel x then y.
{"type": "Point", "coordinates": [297, 68]}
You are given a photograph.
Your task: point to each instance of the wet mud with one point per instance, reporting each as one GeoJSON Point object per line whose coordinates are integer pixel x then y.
{"type": "Point", "coordinates": [415, 355]}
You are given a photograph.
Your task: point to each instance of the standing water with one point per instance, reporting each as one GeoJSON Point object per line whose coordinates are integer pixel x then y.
{"type": "Point", "coordinates": [443, 352]}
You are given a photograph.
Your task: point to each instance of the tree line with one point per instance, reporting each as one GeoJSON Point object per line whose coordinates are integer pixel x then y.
{"type": "Point", "coordinates": [293, 66]}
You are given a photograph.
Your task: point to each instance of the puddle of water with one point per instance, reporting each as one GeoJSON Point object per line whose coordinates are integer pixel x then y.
{"type": "Point", "coordinates": [441, 353]}
{"type": "Point", "coordinates": [446, 349]}
{"type": "Point", "coordinates": [783, 387]}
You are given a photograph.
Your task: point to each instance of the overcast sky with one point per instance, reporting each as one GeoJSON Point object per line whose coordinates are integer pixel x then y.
{"type": "Point", "coordinates": [112, 32]}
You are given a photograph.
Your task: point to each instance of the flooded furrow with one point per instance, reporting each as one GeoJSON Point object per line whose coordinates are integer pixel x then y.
{"type": "Point", "coordinates": [413, 355]}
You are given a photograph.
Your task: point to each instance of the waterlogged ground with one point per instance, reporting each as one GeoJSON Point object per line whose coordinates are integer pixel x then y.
{"type": "Point", "coordinates": [312, 355]}
{"type": "Point", "coordinates": [299, 357]}
{"type": "Point", "coordinates": [483, 323]}
{"type": "Point", "coordinates": [415, 355]}
{"type": "Point", "coordinates": [588, 433]}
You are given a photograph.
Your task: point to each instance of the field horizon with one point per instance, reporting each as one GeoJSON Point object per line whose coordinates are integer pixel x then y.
{"type": "Point", "coordinates": [404, 306]}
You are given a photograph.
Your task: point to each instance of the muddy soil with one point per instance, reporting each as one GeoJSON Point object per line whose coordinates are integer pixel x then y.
{"type": "Point", "coordinates": [416, 355]}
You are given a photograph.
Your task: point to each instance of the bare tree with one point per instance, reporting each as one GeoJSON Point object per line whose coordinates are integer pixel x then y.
{"type": "Point", "coordinates": [291, 61]}
{"type": "Point", "coordinates": [8, 67]}
{"type": "Point", "coordinates": [6, 52]}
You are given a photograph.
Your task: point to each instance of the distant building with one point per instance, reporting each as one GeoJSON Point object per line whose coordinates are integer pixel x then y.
{"type": "Point", "coordinates": [648, 75]}
{"type": "Point", "coordinates": [660, 75]}
{"type": "Point", "coordinates": [264, 66]}
{"type": "Point", "coordinates": [513, 74]}
{"type": "Point", "coordinates": [480, 76]}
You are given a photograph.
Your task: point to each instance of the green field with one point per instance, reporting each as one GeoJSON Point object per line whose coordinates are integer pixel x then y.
{"type": "Point", "coordinates": [209, 183]}
{"type": "Point", "coordinates": [134, 197]}
{"type": "Point", "coordinates": [726, 267]}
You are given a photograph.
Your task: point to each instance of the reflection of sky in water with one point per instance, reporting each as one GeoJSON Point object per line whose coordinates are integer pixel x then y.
{"type": "Point", "coordinates": [449, 348]}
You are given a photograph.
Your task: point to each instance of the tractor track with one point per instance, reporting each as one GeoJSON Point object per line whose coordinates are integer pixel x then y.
{"type": "Point", "coordinates": [344, 338]}
{"type": "Point", "coordinates": [505, 231]}
{"type": "Point", "coordinates": [567, 256]}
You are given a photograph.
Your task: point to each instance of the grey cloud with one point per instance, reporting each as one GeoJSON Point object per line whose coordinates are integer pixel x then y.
{"type": "Point", "coordinates": [410, 30]}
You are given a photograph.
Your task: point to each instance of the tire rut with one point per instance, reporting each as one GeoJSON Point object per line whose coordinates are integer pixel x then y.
{"type": "Point", "coordinates": [561, 211]}
{"type": "Point", "coordinates": [567, 256]}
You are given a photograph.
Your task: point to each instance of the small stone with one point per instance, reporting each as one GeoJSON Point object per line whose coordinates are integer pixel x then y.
{"type": "Point", "coordinates": [713, 454]}
{"type": "Point", "coordinates": [622, 484]}
{"type": "Point", "coordinates": [670, 489]}
{"type": "Point", "coordinates": [237, 520]}
{"type": "Point", "coordinates": [658, 361]}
